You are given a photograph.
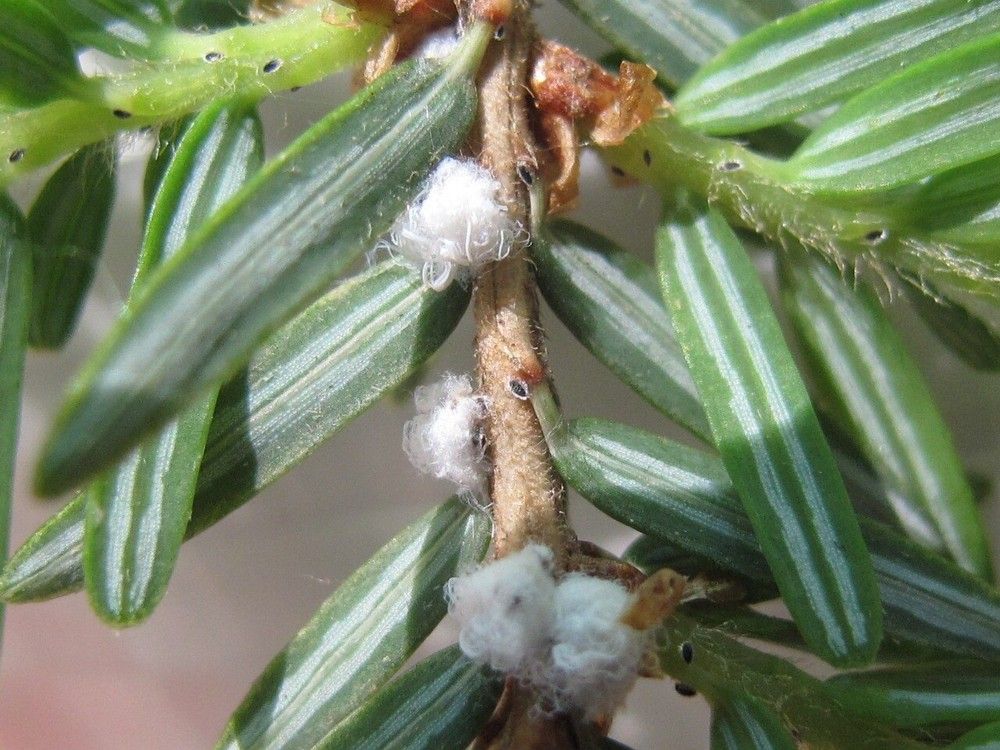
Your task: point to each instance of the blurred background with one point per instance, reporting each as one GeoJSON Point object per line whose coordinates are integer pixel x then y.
{"type": "Point", "coordinates": [243, 588]}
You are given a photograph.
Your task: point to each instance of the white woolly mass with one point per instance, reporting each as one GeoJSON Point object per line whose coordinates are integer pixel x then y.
{"type": "Point", "coordinates": [595, 658]}
{"type": "Point", "coordinates": [444, 438]}
{"type": "Point", "coordinates": [437, 44]}
{"type": "Point", "coordinates": [456, 225]}
{"type": "Point", "coordinates": [564, 639]}
{"type": "Point", "coordinates": [505, 610]}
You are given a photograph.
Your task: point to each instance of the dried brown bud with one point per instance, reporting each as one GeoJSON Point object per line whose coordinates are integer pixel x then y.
{"type": "Point", "coordinates": [494, 12]}
{"type": "Point", "coordinates": [635, 102]}
{"type": "Point", "coordinates": [655, 600]}
{"type": "Point", "coordinates": [571, 90]}
{"type": "Point", "coordinates": [566, 83]}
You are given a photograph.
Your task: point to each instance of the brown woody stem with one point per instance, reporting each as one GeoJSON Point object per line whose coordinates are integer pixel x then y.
{"type": "Point", "coordinates": [527, 495]}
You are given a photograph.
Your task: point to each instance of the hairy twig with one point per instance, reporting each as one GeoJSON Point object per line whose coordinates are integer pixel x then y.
{"type": "Point", "coordinates": [527, 496]}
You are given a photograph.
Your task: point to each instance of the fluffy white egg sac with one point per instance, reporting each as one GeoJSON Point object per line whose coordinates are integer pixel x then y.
{"type": "Point", "coordinates": [437, 44]}
{"type": "Point", "coordinates": [445, 438]}
{"type": "Point", "coordinates": [595, 658]}
{"type": "Point", "coordinates": [505, 611]}
{"type": "Point", "coordinates": [456, 225]}
{"type": "Point", "coordinates": [566, 640]}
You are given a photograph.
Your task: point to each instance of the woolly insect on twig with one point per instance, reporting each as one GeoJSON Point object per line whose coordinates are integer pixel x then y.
{"type": "Point", "coordinates": [445, 438]}
{"type": "Point", "coordinates": [579, 642]}
{"type": "Point", "coordinates": [456, 226]}
{"type": "Point", "coordinates": [547, 613]}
